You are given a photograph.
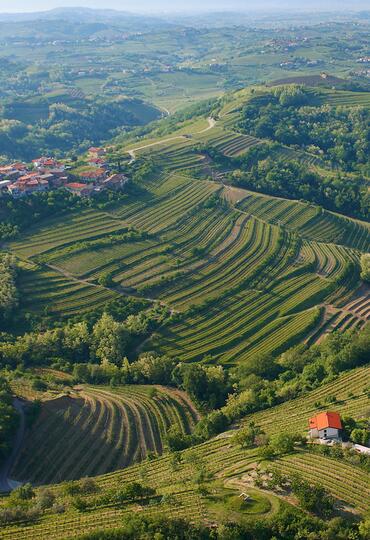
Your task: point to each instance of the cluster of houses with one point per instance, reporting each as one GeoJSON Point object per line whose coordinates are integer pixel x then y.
{"type": "Point", "coordinates": [46, 173]}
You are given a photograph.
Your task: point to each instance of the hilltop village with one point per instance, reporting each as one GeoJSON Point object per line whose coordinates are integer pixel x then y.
{"type": "Point", "coordinates": [46, 173]}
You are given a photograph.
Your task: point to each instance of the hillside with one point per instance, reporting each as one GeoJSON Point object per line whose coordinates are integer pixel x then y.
{"type": "Point", "coordinates": [103, 429]}
{"type": "Point", "coordinates": [246, 279]}
{"type": "Point", "coordinates": [226, 468]}
{"type": "Point", "coordinates": [181, 333]}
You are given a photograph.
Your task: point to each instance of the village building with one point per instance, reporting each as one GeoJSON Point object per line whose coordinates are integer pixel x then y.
{"type": "Point", "coordinates": [95, 176]}
{"type": "Point", "coordinates": [4, 186]}
{"type": "Point", "coordinates": [325, 426]}
{"type": "Point", "coordinates": [47, 163]}
{"type": "Point", "coordinates": [79, 189]}
{"type": "Point", "coordinates": [115, 181]}
{"type": "Point", "coordinates": [96, 152]}
{"type": "Point", "coordinates": [97, 162]}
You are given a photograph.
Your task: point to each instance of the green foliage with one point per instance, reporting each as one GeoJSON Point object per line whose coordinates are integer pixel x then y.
{"type": "Point", "coordinates": [8, 418]}
{"type": "Point", "coordinates": [67, 128]}
{"type": "Point", "coordinates": [246, 436]}
{"type": "Point", "coordinates": [339, 133]}
{"type": "Point", "coordinates": [176, 440]}
{"type": "Point", "coordinates": [106, 279]}
{"type": "Point", "coordinates": [360, 436]}
{"type": "Point", "coordinates": [293, 180]}
{"type": "Point", "coordinates": [313, 498]}
{"type": "Point", "coordinates": [365, 267]}
{"type": "Point", "coordinates": [8, 290]}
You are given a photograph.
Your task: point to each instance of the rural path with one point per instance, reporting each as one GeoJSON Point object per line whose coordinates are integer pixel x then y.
{"type": "Point", "coordinates": [117, 288]}
{"type": "Point", "coordinates": [211, 124]}
{"type": "Point", "coordinates": [6, 484]}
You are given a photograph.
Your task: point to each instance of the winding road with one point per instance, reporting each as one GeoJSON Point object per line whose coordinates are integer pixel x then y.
{"type": "Point", "coordinates": [211, 125]}
{"type": "Point", "coordinates": [6, 484]}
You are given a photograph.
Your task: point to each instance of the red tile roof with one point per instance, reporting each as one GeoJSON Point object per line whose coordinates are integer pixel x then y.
{"type": "Point", "coordinates": [325, 420]}
{"type": "Point", "coordinates": [93, 174]}
{"type": "Point", "coordinates": [76, 185]}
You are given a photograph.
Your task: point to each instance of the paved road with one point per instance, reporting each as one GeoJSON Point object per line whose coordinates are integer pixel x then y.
{"type": "Point", "coordinates": [211, 124]}
{"type": "Point", "coordinates": [6, 484]}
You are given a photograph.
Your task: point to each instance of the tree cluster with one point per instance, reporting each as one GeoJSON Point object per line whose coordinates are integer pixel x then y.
{"type": "Point", "coordinates": [286, 115]}
{"type": "Point", "coordinates": [8, 419]}
{"type": "Point", "coordinates": [68, 127]}
{"type": "Point", "coordinates": [8, 289]}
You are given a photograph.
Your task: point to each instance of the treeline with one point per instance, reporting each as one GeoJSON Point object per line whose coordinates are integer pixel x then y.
{"type": "Point", "coordinates": [286, 115]}
{"type": "Point", "coordinates": [8, 419]}
{"type": "Point", "coordinates": [288, 524]}
{"type": "Point", "coordinates": [107, 340]}
{"type": "Point", "coordinates": [69, 128]}
{"type": "Point", "coordinates": [97, 353]}
{"type": "Point", "coordinates": [18, 214]}
{"type": "Point", "coordinates": [8, 290]}
{"type": "Point", "coordinates": [261, 170]}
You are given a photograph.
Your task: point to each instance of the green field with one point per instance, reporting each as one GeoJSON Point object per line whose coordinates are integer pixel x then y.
{"type": "Point", "coordinates": [230, 469]}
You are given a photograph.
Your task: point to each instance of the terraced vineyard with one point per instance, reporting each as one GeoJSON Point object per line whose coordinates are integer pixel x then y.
{"type": "Point", "coordinates": [269, 263]}
{"type": "Point", "coordinates": [346, 98]}
{"type": "Point", "coordinates": [102, 429]}
{"type": "Point", "coordinates": [45, 291]}
{"type": "Point", "coordinates": [223, 461]}
{"type": "Point", "coordinates": [227, 142]}
{"type": "Point", "coordinates": [348, 395]}
{"type": "Point", "coordinates": [347, 484]}
{"type": "Point", "coordinates": [308, 220]}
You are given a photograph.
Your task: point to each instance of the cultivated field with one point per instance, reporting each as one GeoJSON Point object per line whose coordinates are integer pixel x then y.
{"type": "Point", "coordinates": [102, 429]}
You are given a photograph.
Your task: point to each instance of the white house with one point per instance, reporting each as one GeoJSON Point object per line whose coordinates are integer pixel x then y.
{"type": "Point", "coordinates": [325, 425]}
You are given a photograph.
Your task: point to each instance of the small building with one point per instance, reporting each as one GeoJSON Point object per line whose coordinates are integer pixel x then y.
{"type": "Point", "coordinates": [326, 425]}
{"type": "Point", "coordinates": [96, 175]}
{"type": "Point", "coordinates": [81, 190]}
{"type": "Point", "coordinates": [4, 185]}
{"type": "Point", "coordinates": [96, 152]}
{"type": "Point", "coordinates": [115, 181]}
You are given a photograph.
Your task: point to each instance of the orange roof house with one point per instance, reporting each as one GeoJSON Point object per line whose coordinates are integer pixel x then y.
{"type": "Point", "coordinates": [325, 425]}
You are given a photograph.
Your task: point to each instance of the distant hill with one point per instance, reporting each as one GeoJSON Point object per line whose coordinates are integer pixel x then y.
{"type": "Point", "coordinates": [133, 22]}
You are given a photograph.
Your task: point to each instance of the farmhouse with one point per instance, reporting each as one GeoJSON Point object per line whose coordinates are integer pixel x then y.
{"type": "Point", "coordinates": [326, 426]}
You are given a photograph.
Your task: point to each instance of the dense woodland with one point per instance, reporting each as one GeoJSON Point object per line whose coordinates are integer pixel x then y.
{"type": "Point", "coordinates": [290, 116]}
{"type": "Point", "coordinates": [70, 127]}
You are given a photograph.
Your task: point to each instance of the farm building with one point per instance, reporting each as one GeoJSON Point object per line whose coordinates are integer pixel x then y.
{"type": "Point", "coordinates": [325, 425]}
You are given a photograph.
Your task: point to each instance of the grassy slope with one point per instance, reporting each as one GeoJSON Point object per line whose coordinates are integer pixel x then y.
{"type": "Point", "coordinates": [228, 467]}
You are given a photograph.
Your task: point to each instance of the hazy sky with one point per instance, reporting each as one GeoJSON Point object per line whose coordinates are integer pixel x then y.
{"type": "Point", "coordinates": [185, 5]}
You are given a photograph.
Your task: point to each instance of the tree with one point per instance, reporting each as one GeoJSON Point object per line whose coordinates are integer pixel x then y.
{"type": "Point", "coordinates": [212, 424]}
{"type": "Point", "coordinates": [176, 440]}
{"type": "Point", "coordinates": [246, 436]}
{"type": "Point", "coordinates": [360, 436]}
{"type": "Point", "coordinates": [282, 443]}
{"type": "Point", "coordinates": [109, 339]}
{"type": "Point", "coordinates": [365, 267]}
{"type": "Point", "coordinates": [105, 279]}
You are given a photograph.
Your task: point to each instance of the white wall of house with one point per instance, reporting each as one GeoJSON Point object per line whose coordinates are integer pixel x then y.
{"type": "Point", "coordinates": [329, 433]}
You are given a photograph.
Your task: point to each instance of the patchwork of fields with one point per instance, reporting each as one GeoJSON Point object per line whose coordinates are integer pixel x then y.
{"type": "Point", "coordinates": [251, 273]}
